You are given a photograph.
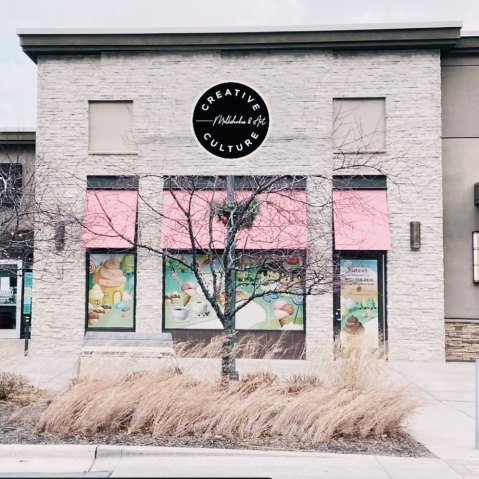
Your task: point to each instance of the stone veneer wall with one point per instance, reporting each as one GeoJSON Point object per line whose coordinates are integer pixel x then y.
{"type": "Point", "coordinates": [462, 339]}
{"type": "Point", "coordinates": [298, 87]}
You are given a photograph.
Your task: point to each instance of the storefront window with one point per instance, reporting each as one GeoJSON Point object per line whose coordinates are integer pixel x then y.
{"type": "Point", "coordinates": [273, 283]}
{"type": "Point", "coordinates": [359, 299]}
{"type": "Point", "coordinates": [111, 290]}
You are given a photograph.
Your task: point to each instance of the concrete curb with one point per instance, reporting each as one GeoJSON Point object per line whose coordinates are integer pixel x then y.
{"type": "Point", "coordinates": [125, 461]}
{"type": "Point", "coordinates": [60, 460]}
{"type": "Point", "coordinates": [106, 453]}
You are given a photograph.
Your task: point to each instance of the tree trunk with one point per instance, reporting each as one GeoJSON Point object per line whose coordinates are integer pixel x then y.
{"type": "Point", "coordinates": [228, 363]}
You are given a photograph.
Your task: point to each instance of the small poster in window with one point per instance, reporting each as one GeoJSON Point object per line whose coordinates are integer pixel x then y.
{"type": "Point", "coordinates": [359, 299]}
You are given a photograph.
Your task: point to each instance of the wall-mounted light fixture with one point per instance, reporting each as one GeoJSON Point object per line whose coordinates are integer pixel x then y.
{"type": "Point", "coordinates": [415, 235]}
{"type": "Point", "coordinates": [476, 194]}
{"type": "Point", "coordinates": [475, 256]}
{"type": "Point", "coordinates": [60, 236]}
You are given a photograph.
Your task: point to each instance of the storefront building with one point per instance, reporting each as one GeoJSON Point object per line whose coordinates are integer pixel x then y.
{"type": "Point", "coordinates": [356, 117]}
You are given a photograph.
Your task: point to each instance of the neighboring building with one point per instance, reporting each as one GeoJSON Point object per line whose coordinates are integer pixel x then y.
{"type": "Point", "coordinates": [115, 112]}
{"type": "Point", "coordinates": [17, 164]}
{"type": "Point", "coordinates": [460, 146]}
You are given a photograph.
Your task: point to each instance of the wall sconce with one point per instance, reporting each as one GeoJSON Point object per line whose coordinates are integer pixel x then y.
{"type": "Point", "coordinates": [475, 256]}
{"type": "Point", "coordinates": [415, 235]}
{"type": "Point", "coordinates": [60, 236]}
{"type": "Point", "coordinates": [476, 194]}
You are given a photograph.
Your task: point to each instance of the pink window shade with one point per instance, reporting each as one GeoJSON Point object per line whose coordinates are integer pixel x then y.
{"type": "Point", "coordinates": [361, 220]}
{"type": "Point", "coordinates": [280, 223]}
{"type": "Point", "coordinates": [110, 219]}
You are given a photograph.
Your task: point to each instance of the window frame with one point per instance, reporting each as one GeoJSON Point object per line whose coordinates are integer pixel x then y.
{"type": "Point", "coordinates": [338, 151]}
{"type": "Point", "coordinates": [111, 153]}
{"type": "Point", "coordinates": [15, 191]}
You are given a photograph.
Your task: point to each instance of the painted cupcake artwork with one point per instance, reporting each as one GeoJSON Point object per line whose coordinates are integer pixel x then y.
{"type": "Point", "coordinates": [111, 294]}
{"type": "Point", "coordinates": [111, 280]}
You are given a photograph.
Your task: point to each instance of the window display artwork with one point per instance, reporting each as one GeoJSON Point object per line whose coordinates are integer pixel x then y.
{"type": "Point", "coordinates": [276, 282]}
{"type": "Point", "coordinates": [27, 292]}
{"type": "Point", "coordinates": [359, 299]}
{"type": "Point", "coordinates": [111, 290]}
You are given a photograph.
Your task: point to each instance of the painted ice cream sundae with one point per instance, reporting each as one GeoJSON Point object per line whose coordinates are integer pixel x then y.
{"type": "Point", "coordinates": [189, 290]}
{"type": "Point", "coordinates": [172, 298]}
{"type": "Point", "coordinates": [240, 296]}
{"type": "Point", "coordinates": [282, 311]}
{"type": "Point", "coordinates": [353, 326]}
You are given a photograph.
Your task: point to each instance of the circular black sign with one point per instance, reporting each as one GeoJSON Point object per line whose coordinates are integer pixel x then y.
{"type": "Point", "coordinates": [230, 120]}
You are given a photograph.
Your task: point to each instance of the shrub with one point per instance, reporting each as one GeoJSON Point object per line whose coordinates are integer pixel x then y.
{"type": "Point", "coordinates": [11, 385]}
{"type": "Point", "coordinates": [354, 398]}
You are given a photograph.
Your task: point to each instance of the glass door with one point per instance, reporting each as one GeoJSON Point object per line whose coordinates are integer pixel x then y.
{"type": "Point", "coordinates": [359, 299]}
{"type": "Point", "coordinates": [10, 298]}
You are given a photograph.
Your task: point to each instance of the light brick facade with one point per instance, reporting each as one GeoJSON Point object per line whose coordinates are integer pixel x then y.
{"type": "Point", "coordinates": [298, 87]}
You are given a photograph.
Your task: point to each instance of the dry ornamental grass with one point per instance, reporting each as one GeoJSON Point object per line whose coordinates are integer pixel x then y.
{"type": "Point", "coordinates": [353, 399]}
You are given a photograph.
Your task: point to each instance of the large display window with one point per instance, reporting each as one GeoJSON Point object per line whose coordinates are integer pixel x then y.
{"type": "Point", "coordinates": [111, 283]}
{"type": "Point", "coordinates": [271, 285]}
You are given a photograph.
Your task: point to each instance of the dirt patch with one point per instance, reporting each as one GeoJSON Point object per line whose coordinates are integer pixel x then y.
{"type": "Point", "coordinates": [24, 433]}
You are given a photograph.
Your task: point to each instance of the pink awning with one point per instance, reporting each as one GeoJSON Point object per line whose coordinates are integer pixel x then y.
{"type": "Point", "coordinates": [361, 220]}
{"type": "Point", "coordinates": [280, 223]}
{"type": "Point", "coordinates": [110, 219]}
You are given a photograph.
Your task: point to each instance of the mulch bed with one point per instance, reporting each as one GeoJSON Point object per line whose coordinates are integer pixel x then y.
{"type": "Point", "coordinates": [402, 446]}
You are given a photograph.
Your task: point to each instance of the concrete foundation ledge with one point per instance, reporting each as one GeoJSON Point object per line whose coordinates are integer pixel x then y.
{"type": "Point", "coordinates": [135, 352]}
{"type": "Point", "coordinates": [107, 353]}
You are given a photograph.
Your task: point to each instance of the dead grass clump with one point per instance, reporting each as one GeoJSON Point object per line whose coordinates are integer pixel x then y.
{"type": "Point", "coordinates": [357, 366]}
{"type": "Point", "coordinates": [15, 389]}
{"type": "Point", "coordinates": [201, 349]}
{"type": "Point", "coordinates": [301, 383]}
{"type": "Point", "coordinates": [11, 384]}
{"type": "Point", "coordinates": [246, 346]}
{"type": "Point", "coordinates": [250, 382]}
{"type": "Point", "coordinates": [353, 399]}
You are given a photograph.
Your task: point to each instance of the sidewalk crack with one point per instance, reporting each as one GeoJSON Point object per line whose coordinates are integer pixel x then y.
{"type": "Point", "coordinates": [382, 467]}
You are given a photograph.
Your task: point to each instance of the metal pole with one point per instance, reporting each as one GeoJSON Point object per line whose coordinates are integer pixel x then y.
{"type": "Point", "coordinates": [477, 403]}
{"type": "Point", "coordinates": [230, 282]}
{"type": "Point", "coordinates": [27, 334]}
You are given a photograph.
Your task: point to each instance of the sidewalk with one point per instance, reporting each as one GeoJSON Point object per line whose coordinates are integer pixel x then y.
{"type": "Point", "coordinates": [445, 423]}
{"type": "Point", "coordinates": [118, 461]}
{"type": "Point", "coordinates": [50, 372]}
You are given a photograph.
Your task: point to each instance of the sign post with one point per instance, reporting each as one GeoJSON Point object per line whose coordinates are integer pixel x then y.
{"type": "Point", "coordinates": [477, 403]}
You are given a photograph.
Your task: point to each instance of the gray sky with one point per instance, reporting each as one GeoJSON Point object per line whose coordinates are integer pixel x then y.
{"type": "Point", "coordinates": [18, 72]}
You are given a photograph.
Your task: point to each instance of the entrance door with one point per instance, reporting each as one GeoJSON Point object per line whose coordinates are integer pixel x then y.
{"type": "Point", "coordinates": [10, 298]}
{"type": "Point", "coordinates": [359, 298]}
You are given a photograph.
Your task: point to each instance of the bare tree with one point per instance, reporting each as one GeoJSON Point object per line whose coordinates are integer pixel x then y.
{"type": "Point", "coordinates": [241, 239]}
{"type": "Point", "coordinates": [17, 204]}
